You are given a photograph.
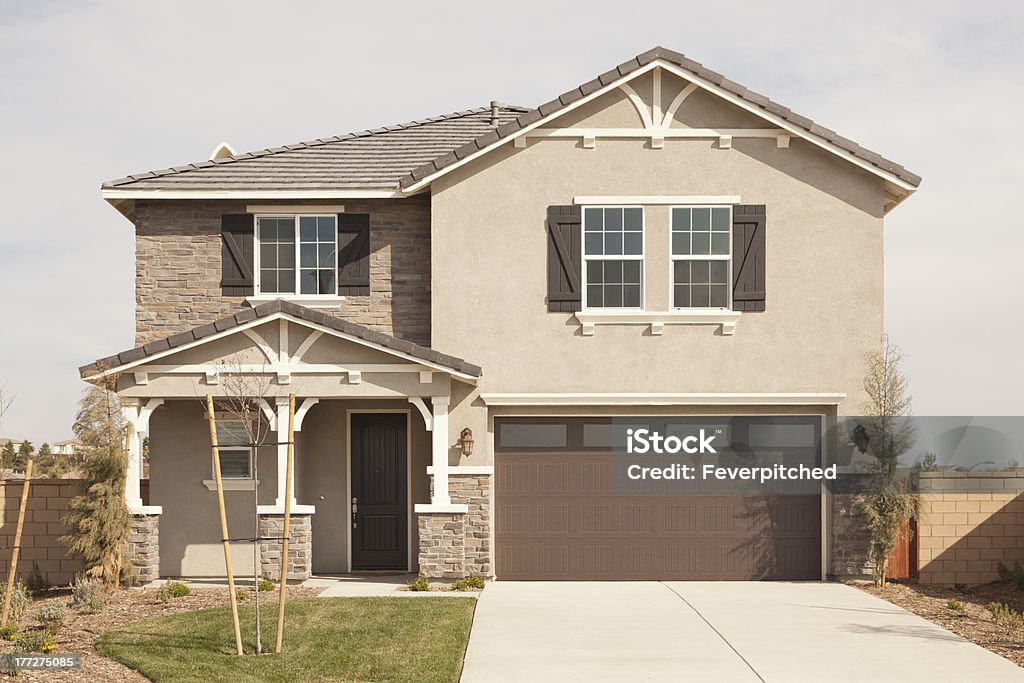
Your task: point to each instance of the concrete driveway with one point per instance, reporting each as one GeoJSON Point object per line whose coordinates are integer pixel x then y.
{"type": "Point", "coordinates": [672, 631]}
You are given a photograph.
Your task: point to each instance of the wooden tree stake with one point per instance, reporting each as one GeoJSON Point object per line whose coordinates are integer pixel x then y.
{"type": "Point", "coordinates": [13, 568]}
{"type": "Point", "coordinates": [224, 524]}
{"type": "Point", "coordinates": [287, 521]}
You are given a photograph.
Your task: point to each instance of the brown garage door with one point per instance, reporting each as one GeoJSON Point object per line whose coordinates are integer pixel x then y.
{"type": "Point", "coordinates": [556, 518]}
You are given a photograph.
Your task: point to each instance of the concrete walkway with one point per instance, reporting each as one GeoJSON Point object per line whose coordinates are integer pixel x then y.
{"type": "Point", "coordinates": [720, 631]}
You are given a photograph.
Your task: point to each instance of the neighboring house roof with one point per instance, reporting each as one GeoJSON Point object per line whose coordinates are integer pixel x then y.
{"type": "Point", "coordinates": [68, 442]}
{"type": "Point", "coordinates": [700, 75]}
{"type": "Point", "coordinates": [267, 310]}
{"type": "Point", "coordinates": [368, 159]}
{"type": "Point", "coordinates": [4, 442]}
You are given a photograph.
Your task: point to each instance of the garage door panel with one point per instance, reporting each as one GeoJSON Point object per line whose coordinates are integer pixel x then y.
{"type": "Point", "coordinates": [557, 518]}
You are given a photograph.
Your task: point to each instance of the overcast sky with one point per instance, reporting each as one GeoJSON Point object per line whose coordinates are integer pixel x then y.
{"type": "Point", "coordinates": [94, 90]}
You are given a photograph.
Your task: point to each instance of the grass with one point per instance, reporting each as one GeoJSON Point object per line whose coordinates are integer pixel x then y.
{"type": "Point", "coordinates": [325, 639]}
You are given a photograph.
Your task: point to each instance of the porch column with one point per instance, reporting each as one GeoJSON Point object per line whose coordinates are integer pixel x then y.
{"type": "Point", "coordinates": [439, 445]}
{"type": "Point", "coordinates": [136, 415]}
{"type": "Point", "coordinates": [282, 452]}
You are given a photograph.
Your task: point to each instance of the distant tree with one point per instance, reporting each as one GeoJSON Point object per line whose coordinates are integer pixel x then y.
{"type": "Point", "coordinates": [99, 519]}
{"type": "Point", "coordinates": [7, 456]}
{"type": "Point", "coordinates": [51, 464]}
{"type": "Point", "coordinates": [25, 451]}
{"type": "Point", "coordinates": [1013, 463]}
{"type": "Point", "coordinates": [889, 503]}
{"type": "Point", "coordinates": [45, 455]}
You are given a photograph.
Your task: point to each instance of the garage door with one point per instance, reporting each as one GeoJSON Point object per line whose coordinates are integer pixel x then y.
{"type": "Point", "coordinates": [557, 517]}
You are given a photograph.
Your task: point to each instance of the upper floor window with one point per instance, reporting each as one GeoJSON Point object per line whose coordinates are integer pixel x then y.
{"type": "Point", "coordinates": [613, 257]}
{"type": "Point", "coordinates": [297, 255]}
{"type": "Point", "coordinates": [701, 256]}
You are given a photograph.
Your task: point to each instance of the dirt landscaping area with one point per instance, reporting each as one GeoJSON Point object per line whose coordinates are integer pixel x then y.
{"type": "Point", "coordinates": [972, 622]}
{"type": "Point", "coordinates": [80, 631]}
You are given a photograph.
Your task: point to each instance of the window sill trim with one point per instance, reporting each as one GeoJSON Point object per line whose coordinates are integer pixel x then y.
{"type": "Point", "coordinates": [307, 301]}
{"type": "Point", "coordinates": [658, 319]}
{"type": "Point", "coordinates": [231, 484]}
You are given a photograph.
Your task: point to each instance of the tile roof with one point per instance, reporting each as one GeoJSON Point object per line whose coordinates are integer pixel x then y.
{"type": "Point", "coordinates": [368, 159]}
{"type": "Point", "coordinates": [267, 309]}
{"type": "Point", "coordinates": [491, 137]}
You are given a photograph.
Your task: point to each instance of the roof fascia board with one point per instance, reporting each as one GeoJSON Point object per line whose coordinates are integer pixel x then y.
{"type": "Point", "coordinates": [536, 124]}
{"type": "Point", "coordinates": [148, 360]}
{"type": "Point", "coordinates": [696, 80]}
{"type": "Point", "coordinates": [385, 193]}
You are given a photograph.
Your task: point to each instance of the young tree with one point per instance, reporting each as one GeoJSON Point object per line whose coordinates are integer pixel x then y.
{"type": "Point", "coordinates": [889, 503]}
{"type": "Point", "coordinates": [99, 519]}
{"type": "Point", "coordinates": [7, 456]}
{"type": "Point", "coordinates": [25, 451]}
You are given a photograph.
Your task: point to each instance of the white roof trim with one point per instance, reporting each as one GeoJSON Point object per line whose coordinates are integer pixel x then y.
{"type": "Point", "coordinates": [240, 329]}
{"type": "Point", "coordinates": [222, 151]}
{"type": "Point", "coordinates": [663, 399]}
{"type": "Point", "coordinates": [707, 85]}
{"type": "Point", "coordinates": [112, 193]}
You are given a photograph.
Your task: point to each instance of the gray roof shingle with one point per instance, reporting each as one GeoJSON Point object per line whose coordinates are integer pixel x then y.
{"type": "Point", "coordinates": [492, 137]}
{"type": "Point", "coordinates": [302, 313]}
{"type": "Point", "coordinates": [364, 159]}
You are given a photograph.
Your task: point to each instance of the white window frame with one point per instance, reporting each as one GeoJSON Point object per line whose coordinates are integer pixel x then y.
{"type": "Point", "coordinates": [698, 257]}
{"type": "Point", "coordinates": [614, 257]}
{"type": "Point", "coordinates": [257, 278]}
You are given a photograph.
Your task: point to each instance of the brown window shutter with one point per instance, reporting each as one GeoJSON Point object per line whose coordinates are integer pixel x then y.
{"type": "Point", "coordinates": [354, 254]}
{"type": "Point", "coordinates": [236, 254]}
{"type": "Point", "coordinates": [565, 258]}
{"type": "Point", "coordinates": [748, 224]}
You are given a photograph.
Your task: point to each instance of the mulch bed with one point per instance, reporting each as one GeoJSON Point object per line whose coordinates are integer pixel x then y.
{"type": "Point", "coordinates": [974, 623]}
{"type": "Point", "coordinates": [80, 631]}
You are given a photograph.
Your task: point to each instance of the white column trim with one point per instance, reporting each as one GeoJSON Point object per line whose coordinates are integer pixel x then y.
{"type": "Point", "coordinates": [428, 419]}
{"type": "Point", "coordinates": [137, 415]}
{"type": "Point", "coordinates": [281, 403]}
{"type": "Point", "coordinates": [439, 450]}
{"type": "Point", "coordinates": [300, 413]}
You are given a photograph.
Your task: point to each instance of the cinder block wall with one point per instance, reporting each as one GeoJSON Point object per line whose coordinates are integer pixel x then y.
{"type": "Point", "coordinates": [47, 502]}
{"type": "Point", "coordinates": [970, 522]}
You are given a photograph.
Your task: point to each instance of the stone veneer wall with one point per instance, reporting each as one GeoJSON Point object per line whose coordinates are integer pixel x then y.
{"type": "Point", "coordinates": [970, 523]}
{"type": "Point", "coordinates": [143, 547]}
{"type": "Point", "coordinates": [300, 547]}
{"type": "Point", "coordinates": [456, 545]}
{"type": "Point", "coordinates": [850, 540]}
{"type": "Point", "coordinates": [178, 254]}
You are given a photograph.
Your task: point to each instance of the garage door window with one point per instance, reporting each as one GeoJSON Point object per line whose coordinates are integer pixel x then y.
{"type": "Point", "coordinates": [532, 435]}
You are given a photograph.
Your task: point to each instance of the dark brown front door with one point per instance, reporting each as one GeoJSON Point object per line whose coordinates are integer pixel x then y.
{"type": "Point", "coordinates": [379, 491]}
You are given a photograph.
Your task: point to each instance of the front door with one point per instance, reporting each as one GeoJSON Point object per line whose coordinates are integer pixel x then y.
{"type": "Point", "coordinates": [379, 513]}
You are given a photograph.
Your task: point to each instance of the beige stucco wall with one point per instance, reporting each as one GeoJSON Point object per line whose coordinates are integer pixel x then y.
{"type": "Point", "coordinates": [824, 266]}
{"type": "Point", "coordinates": [190, 525]}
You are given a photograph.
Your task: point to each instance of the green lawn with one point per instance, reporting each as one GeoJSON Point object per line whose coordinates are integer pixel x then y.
{"type": "Point", "coordinates": [326, 639]}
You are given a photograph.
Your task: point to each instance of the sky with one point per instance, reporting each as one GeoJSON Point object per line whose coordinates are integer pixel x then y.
{"type": "Point", "coordinates": [91, 91]}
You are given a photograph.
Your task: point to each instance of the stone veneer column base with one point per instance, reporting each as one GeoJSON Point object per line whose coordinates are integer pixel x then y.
{"type": "Point", "coordinates": [850, 556]}
{"type": "Point", "coordinates": [143, 547]}
{"type": "Point", "coordinates": [300, 547]}
{"type": "Point", "coordinates": [456, 545]}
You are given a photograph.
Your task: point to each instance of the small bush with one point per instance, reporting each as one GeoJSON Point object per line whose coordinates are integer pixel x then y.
{"type": "Point", "coordinates": [470, 583]}
{"type": "Point", "coordinates": [1014, 576]}
{"type": "Point", "coordinates": [9, 632]}
{"type": "Point", "coordinates": [35, 582]}
{"type": "Point", "coordinates": [52, 617]}
{"type": "Point", "coordinates": [20, 600]}
{"type": "Point", "coordinates": [264, 585]}
{"type": "Point", "coordinates": [1005, 616]}
{"type": "Point", "coordinates": [954, 605]}
{"type": "Point", "coordinates": [420, 585]}
{"type": "Point", "coordinates": [241, 594]}
{"type": "Point", "coordinates": [173, 589]}
{"type": "Point", "coordinates": [34, 641]}
{"type": "Point", "coordinates": [87, 595]}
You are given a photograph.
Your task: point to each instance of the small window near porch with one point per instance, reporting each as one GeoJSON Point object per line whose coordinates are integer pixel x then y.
{"type": "Point", "coordinates": [235, 451]}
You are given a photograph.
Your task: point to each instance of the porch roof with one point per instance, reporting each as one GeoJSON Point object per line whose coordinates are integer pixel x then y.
{"type": "Point", "coordinates": [385, 342]}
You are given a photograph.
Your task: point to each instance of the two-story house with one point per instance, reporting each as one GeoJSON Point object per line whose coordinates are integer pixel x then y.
{"type": "Point", "coordinates": [463, 304]}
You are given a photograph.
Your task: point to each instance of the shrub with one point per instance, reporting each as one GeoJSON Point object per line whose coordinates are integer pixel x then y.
{"type": "Point", "coordinates": [1014, 576]}
{"type": "Point", "coordinates": [35, 582]}
{"type": "Point", "coordinates": [1005, 616]}
{"type": "Point", "coordinates": [470, 583]}
{"type": "Point", "coordinates": [173, 589]}
{"type": "Point", "coordinates": [954, 605]}
{"type": "Point", "coordinates": [241, 594]}
{"type": "Point", "coordinates": [20, 600]}
{"type": "Point", "coordinates": [52, 617]}
{"type": "Point", "coordinates": [9, 632]}
{"type": "Point", "coordinates": [264, 585]}
{"type": "Point", "coordinates": [87, 595]}
{"type": "Point", "coordinates": [419, 585]}
{"type": "Point", "coordinates": [34, 641]}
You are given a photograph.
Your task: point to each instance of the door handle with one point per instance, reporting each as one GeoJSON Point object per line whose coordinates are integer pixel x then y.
{"type": "Point", "coordinates": [355, 510]}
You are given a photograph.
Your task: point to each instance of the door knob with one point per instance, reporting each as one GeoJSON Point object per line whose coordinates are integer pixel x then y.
{"type": "Point", "coordinates": [355, 509]}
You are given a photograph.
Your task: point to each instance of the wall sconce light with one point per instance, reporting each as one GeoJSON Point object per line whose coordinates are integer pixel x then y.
{"type": "Point", "coordinates": [466, 441]}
